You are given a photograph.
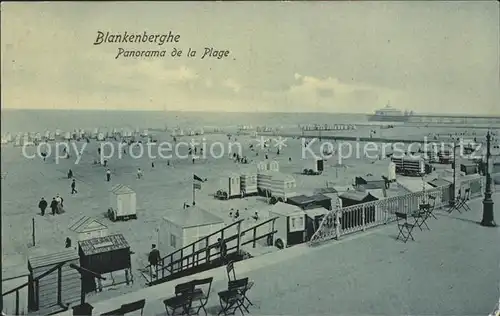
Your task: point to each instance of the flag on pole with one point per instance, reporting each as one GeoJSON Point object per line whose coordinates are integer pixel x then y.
{"type": "Point", "coordinates": [197, 182]}
{"type": "Point", "coordinates": [196, 178]}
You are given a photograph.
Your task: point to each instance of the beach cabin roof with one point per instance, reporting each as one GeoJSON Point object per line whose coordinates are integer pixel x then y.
{"type": "Point", "coordinates": [53, 258]}
{"type": "Point", "coordinates": [14, 267]}
{"type": "Point", "coordinates": [468, 163]}
{"type": "Point", "coordinates": [325, 191]}
{"type": "Point", "coordinates": [121, 189]}
{"type": "Point", "coordinates": [192, 217]}
{"type": "Point", "coordinates": [103, 244]}
{"type": "Point", "coordinates": [285, 209]}
{"type": "Point", "coordinates": [413, 185]}
{"type": "Point", "coordinates": [310, 202]}
{"type": "Point", "coordinates": [439, 182]}
{"type": "Point", "coordinates": [370, 182]}
{"type": "Point", "coordinates": [86, 224]}
{"type": "Point", "coordinates": [282, 177]}
{"type": "Point", "coordinates": [357, 196]}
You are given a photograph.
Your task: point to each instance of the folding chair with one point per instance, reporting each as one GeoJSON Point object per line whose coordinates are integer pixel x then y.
{"type": "Point", "coordinates": [183, 299]}
{"type": "Point", "coordinates": [200, 298]}
{"type": "Point", "coordinates": [233, 299]}
{"type": "Point", "coordinates": [421, 216]}
{"type": "Point", "coordinates": [432, 205]}
{"type": "Point", "coordinates": [456, 203]}
{"type": "Point", "coordinates": [465, 199]}
{"type": "Point", "coordinates": [230, 271]}
{"type": "Point", "coordinates": [134, 306]}
{"type": "Point", "coordinates": [404, 226]}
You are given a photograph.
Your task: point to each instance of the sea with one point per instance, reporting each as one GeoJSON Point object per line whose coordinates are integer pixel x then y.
{"type": "Point", "coordinates": [14, 121]}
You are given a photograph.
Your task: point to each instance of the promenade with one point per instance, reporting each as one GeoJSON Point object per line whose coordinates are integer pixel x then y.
{"type": "Point", "coordinates": [453, 269]}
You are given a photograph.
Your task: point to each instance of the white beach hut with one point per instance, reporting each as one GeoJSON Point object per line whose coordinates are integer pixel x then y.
{"type": "Point", "coordinates": [273, 165]}
{"type": "Point", "coordinates": [391, 172]}
{"type": "Point", "coordinates": [67, 136]}
{"type": "Point", "coordinates": [101, 136]}
{"type": "Point", "coordinates": [86, 227]}
{"type": "Point", "coordinates": [52, 136]}
{"type": "Point", "coordinates": [182, 227]}
{"type": "Point", "coordinates": [58, 132]}
{"type": "Point", "coordinates": [123, 203]}
{"type": "Point", "coordinates": [46, 135]}
{"type": "Point", "coordinates": [290, 225]}
{"type": "Point", "coordinates": [229, 185]}
{"type": "Point", "coordinates": [261, 166]}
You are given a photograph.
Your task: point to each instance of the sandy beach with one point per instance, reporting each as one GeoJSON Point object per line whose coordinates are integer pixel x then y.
{"type": "Point", "coordinates": [163, 188]}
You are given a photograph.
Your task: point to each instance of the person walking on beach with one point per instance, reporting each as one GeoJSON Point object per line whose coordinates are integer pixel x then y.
{"type": "Point", "coordinates": [222, 248]}
{"type": "Point", "coordinates": [53, 206]}
{"type": "Point", "coordinates": [139, 173]}
{"type": "Point", "coordinates": [108, 175]}
{"type": "Point", "coordinates": [70, 174]}
{"type": "Point", "coordinates": [154, 258]}
{"type": "Point", "coordinates": [42, 205]}
{"type": "Point", "coordinates": [73, 186]}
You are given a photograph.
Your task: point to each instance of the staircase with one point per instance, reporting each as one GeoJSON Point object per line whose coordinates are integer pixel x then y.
{"type": "Point", "coordinates": [187, 260]}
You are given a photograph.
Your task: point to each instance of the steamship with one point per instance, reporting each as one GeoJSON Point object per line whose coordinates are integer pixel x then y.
{"type": "Point", "coordinates": [390, 114]}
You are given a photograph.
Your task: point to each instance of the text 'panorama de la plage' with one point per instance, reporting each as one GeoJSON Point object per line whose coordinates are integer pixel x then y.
{"type": "Point", "coordinates": [159, 40]}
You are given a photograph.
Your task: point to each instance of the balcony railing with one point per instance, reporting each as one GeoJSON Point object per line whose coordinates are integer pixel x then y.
{"type": "Point", "coordinates": [363, 216]}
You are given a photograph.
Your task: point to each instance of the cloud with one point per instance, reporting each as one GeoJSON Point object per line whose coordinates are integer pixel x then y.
{"type": "Point", "coordinates": [232, 84]}
{"type": "Point", "coordinates": [332, 94]}
{"type": "Point", "coordinates": [347, 57]}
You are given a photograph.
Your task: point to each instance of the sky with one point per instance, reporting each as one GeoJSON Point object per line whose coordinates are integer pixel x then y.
{"type": "Point", "coordinates": [345, 57]}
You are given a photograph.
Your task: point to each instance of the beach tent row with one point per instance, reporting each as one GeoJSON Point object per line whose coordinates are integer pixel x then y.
{"type": "Point", "coordinates": [188, 132]}
{"type": "Point", "coordinates": [328, 127]}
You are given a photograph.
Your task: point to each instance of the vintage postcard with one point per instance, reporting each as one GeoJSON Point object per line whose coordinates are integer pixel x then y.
{"type": "Point", "coordinates": [264, 158]}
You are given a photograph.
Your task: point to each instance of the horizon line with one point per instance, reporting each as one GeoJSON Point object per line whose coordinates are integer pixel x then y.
{"type": "Point", "coordinates": [212, 111]}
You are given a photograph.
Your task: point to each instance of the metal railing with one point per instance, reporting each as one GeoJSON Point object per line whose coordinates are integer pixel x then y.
{"type": "Point", "coordinates": [206, 250]}
{"type": "Point", "coordinates": [356, 218]}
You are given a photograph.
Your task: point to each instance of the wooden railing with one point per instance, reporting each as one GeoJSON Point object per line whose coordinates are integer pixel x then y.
{"type": "Point", "coordinates": [360, 217]}
{"type": "Point", "coordinates": [35, 281]}
{"type": "Point", "coordinates": [189, 257]}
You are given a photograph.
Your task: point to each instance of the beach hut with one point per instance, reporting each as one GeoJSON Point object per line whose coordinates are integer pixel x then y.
{"type": "Point", "coordinates": [248, 180]}
{"type": "Point", "coordinates": [354, 197]}
{"type": "Point", "coordinates": [273, 165]}
{"type": "Point", "coordinates": [391, 172]}
{"type": "Point", "coordinates": [469, 167]}
{"type": "Point", "coordinates": [67, 136]}
{"type": "Point", "coordinates": [58, 132]}
{"type": "Point", "coordinates": [439, 183]}
{"type": "Point", "coordinates": [354, 217]}
{"type": "Point", "coordinates": [8, 137]}
{"type": "Point", "coordinates": [14, 274]}
{"type": "Point", "coordinates": [277, 185]}
{"type": "Point", "coordinates": [261, 166]}
{"type": "Point", "coordinates": [290, 225]}
{"type": "Point", "coordinates": [104, 255]}
{"type": "Point", "coordinates": [123, 203]}
{"type": "Point", "coordinates": [183, 227]}
{"type": "Point", "coordinates": [229, 186]}
{"type": "Point", "coordinates": [305, 202]}
{"type": "Point", "coordinates": [370, 182]}
{"type": "Point", "coordinates": [46, 135]}
{"type": "Point", "coordinates": [52, 136]}
{"type": "Point", "coordinates": [100, 136]}
{"type": "Point", "coordinates": [87, 228]}
{"type": "Point", "coordinates": [60, 287]}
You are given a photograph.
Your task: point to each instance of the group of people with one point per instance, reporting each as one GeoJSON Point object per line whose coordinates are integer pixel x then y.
{"type": "Point", "coordinates": [56, 205]}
